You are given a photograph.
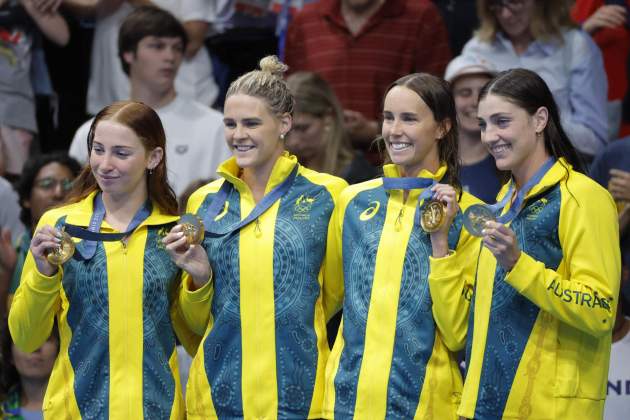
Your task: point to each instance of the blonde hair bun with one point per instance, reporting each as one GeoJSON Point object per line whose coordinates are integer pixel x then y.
{"type": "Point", "coordinates": [271, 64]}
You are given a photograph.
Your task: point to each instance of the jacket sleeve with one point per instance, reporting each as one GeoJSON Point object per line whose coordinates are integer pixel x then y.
{"type": "Point", "coordinates": [194, 306]}
{"type": "Point", "coordinates": [451, 282]}
{"type": "Point", "coordinates": [332, 268]}
{"type": "Point", "coordinates": [35, 303]}
{"type": "Point", "coordinates": [583, 291]}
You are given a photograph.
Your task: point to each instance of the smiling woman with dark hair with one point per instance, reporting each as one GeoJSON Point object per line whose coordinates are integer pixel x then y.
{"type": "Point", "coordinates": [542, 305]}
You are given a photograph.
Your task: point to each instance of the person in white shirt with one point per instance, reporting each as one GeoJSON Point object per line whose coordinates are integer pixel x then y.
{"type": "Point", "coordinates": [109, 83]}
{"type": "Point", "coordinates": [151, 48]}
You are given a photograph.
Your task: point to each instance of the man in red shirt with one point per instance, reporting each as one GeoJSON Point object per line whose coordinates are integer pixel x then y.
{"type": "Point", "coordinates": [361, 46]}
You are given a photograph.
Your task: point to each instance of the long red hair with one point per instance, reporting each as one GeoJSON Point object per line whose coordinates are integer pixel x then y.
{"type": "Point", "coordinates": [146, 124]}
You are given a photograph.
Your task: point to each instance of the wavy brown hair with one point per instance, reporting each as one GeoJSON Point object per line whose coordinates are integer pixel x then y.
{"type": "Point", "coordinates": [436, 94]}
{"type": "Point", "coordinates": [146, 124]}
{"type": "Point", "coordinates": [314, 96]}
{"type": "Point", "coordinates": [549, 20]}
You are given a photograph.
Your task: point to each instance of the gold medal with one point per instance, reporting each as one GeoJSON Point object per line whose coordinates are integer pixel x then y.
{"type": "Point", "coordinates": [193, 228]}
{"type": "Point", "coordinates": [476, 217]}
{"type": "Point", "coordinates": [62, 252]}
{"type": "Point", "coordinates": [432, 217]}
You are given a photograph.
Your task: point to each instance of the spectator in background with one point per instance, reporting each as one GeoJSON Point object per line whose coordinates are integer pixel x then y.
{"type": "Point", "coordinates": [241, 33]}
{"type": "Point", "coordinates": [151, 48]}
{"type": "Point", "coordinates": [44, 184]}
{"type": "Point", "coordinates": [539, 35]}
{"type": "Point", "coordinates": [24, 376]}
{"type": "Point", "coordinates": [460, 18]}
{"type": "Point", "coordinates": [317, 136]}
{"type": "Point", "coordinates": [606, 21]}
{"type": "Point", "coordinates": [478, 172]}
{"type": "Point", "coordinates": [20, 23]}
{"type": "Point", "coordinates": [362, 46]}
{"type": "Point", "coordinates": [10, 230]}
{"type": "Point", "coordinates": [108, 80]}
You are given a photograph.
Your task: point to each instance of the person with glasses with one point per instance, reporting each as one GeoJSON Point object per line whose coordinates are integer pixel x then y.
{"type": "Point", "coordinates": [45, 182]}
{"type": "Point", "coordinates": [114, 298]}
{"type": "Point", "coordinates": [543, 303]}
{"type": "Point", "coordinates": [539, 35]}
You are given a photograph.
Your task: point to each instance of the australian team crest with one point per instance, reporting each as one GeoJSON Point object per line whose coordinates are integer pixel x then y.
{"type": "Point", "coordinates": [302, 207]}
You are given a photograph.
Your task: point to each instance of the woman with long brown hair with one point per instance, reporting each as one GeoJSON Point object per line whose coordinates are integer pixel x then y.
{"type": "Point", "coordinates": [386, 238]}
{"type": "Point", "coordinates": [114, 298]}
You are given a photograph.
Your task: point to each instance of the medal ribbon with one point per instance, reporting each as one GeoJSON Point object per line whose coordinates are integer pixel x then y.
{"type": "Point", "coordinates": [411, 183]}
{"type": "Point", "coordinates": [92, 235]}
{"type": "Point", "coordinates": [520, 197]}
{"type": "Point", "coordinates": [263, 205]}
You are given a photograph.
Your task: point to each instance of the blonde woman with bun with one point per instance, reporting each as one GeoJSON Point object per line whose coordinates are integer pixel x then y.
{"type": "Point", "coordinates": [254, 288]}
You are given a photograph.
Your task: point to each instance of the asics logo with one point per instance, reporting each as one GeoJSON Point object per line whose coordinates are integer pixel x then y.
{"type": "Point", "coordinates": [370, 212]}
{"type": "Point", "coordinates": [223, 212]}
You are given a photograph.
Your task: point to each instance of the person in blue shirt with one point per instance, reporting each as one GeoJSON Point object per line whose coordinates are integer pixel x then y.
{"type": "Point", "coordinates": [539, 35]}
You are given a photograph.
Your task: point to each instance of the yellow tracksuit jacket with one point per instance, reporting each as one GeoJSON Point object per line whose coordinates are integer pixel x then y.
{"type": "Point", "coordinates": [116, 314]}
{"type": "Point", "coordinates": [263, 315]}
{"type": "Point", "coordinates": [538, 341]}
{"type": "Point", "coordinates": [389, 359]}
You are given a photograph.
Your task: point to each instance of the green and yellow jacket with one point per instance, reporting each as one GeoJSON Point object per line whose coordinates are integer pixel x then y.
{"type": "Point", "coordinates": [538, 337]}
{"type": "Point", "coordinates": [116, 313]}
{"type": "Point", "coordinates": [263, 315]}
{"type": "Point", "coordinates": [390, 360]}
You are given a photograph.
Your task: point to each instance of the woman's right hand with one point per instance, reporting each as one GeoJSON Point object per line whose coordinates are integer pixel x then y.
{"type": "Point", "coordinates": [44, 239]}
{"type": "Point", "coordinates": [190, 258]}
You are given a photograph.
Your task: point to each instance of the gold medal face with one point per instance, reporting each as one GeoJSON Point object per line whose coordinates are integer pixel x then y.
{"type": "Point", "coordinates": [193, 228]}
{"type": "Point", "coordinates": [432, 216]}
{"type": "Point", "coordinates": [475, 218]}
{"type": "Point", "coordinates": [63, 252]}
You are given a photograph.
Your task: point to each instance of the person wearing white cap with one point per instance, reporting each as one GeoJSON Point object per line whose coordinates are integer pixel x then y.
{"type": "Point", "coordinates": [478, 173]}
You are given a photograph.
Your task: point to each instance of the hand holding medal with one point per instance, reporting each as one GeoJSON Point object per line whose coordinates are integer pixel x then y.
{"type": "Point", "coordinates": [193, 228]}
{"type": "Point", "coordinates": [438, 213]}
{"type": "Point", "coordinates": [61, 253]}
{"type": "Point", "coordinates": [51, 248]}
{"type": "Point", "coordinates": [183, 244]}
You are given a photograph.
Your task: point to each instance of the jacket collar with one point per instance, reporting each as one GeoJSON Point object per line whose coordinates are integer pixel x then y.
{"type": "Point", "coordinates": [281, 170]}
{"type": "Point", "coordinates": [81, 213]}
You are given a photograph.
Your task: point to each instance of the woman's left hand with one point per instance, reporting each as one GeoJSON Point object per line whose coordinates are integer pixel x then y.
{"type": "Point", "coordinates": [439, 239]}
{"type": "Point", "coordinates": [501, 241]}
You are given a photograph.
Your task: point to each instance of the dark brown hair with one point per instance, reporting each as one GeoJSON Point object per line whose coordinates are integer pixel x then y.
{"type": "Point", "coordinates": [146, 124]}
{"type": "Point", "coordinates": [436, 94]}
{"type": "Point", "coordinates": [147, 21]}
{"type": "Point", "coordinates": [528, 91]}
